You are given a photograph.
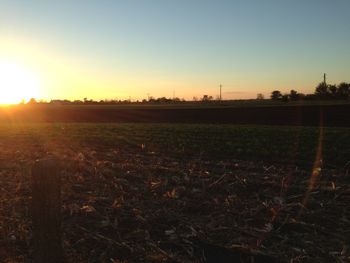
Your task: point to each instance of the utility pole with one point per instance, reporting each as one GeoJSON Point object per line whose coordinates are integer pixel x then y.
{"type": "Point", "coordinates": [325, 78]}
{"type": "Point", "coordinates": [220, 92]}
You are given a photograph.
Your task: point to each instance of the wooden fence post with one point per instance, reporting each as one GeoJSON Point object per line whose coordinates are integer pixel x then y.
{"type": "Point", "coordinates": [46, 212]}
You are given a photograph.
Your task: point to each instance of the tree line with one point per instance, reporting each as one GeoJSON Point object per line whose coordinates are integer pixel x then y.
{"type": "Point", "coordinates": [150, 100]}
{"type": "Point", "coordinates": [323, 91]}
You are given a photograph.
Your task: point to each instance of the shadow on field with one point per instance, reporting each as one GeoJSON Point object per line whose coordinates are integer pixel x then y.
{"type": "Point", "coordinates": [334, 115]}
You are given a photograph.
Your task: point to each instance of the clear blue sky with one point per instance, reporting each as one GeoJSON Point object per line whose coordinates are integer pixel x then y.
{"type": "Point", "coordinates": [118, 48]}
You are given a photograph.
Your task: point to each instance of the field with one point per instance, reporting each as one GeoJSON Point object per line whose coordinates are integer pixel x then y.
{"type": "Point", "coordinates": [183, 192]}
{"type": "Point", "coordinates": [301, 114]}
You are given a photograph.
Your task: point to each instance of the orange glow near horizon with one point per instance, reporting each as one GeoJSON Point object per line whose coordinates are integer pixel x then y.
{"type": "Point", "coordinates": [33, 68]}
{"type": "Point", "coordinates": [17, 84]}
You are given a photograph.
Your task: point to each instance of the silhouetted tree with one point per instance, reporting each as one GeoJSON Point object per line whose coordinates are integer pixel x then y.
{"type": "Point", "coordinates": [322, 90]}
{"type": "Point", "coordinates": [293, 95]}
{"type": "Point", "coordinates": [260, 96]}
{"type": "Point", "coordinates": [32, 101]}
{"type": "Point", "coordinates": [332, 89]}
{"type": "Point", "coordinates": [207, 98]}
{"type": "Point", "coordinates": [285, 97]}
{"type": "Point", "coordinates": [276, 95]}
{"type": "Point", "coordinates": [343, 91]}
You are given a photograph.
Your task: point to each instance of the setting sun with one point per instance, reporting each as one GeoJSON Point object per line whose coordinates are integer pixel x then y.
{"type": "Point", "coordinates": [17, 84]}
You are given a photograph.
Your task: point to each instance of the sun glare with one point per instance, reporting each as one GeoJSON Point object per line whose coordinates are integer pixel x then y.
{"type": "Point", "coordinates": [17, 84]}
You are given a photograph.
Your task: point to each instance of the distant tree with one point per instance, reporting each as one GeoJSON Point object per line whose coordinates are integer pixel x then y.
{"type": "Point", "coordinates": [162, 100]}
{"type": "Point", "coordinates": [322, 91]}
{"type": "Point", "coordinates": [260, 96]}
{"type": "Point", "coordinates": [333, 90]}
{"type": "Point", "coordinates": [285, 97]}
{"type": "Point", "coordinates": [276, 95]}
{"type": "Point", "coordinates": [293, 95]}
{"type": "Point", "coordinates": [77, 102]}
{"type": "Point", "coordinates": [301, 96]}
{"type": "Point", "coordinates": [325, 91]}
{"type": "Point", "coordinates": [343, 91]}
{"type": "Point", "coordinates": [32, 101]}
{"type": "Point", "coordinates": [207, 98]}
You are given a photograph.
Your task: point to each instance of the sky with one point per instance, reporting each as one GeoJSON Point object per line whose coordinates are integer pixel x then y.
{"type": "Point", "coordinates": [136, 48]}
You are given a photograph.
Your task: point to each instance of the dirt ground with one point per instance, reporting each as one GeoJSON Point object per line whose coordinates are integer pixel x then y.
{"type": "Point", "coordinates": [137, 205]}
